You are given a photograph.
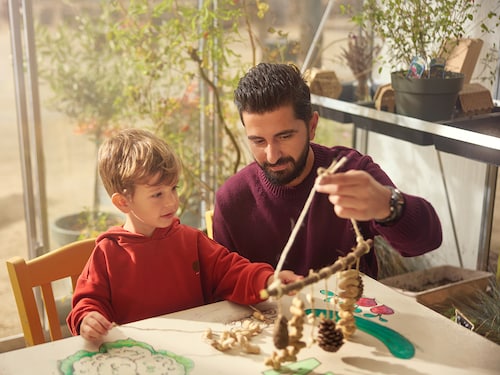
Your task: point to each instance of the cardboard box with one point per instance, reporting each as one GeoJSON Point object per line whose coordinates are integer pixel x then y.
{"type": "Point", "coordinates": [475, 99]}
{"type": "Point", "coordinates": [437, 285]}
{"type": "Point", "coordinates": [462, 57]}
{"type": "Point", "coordinates": [323, 83]}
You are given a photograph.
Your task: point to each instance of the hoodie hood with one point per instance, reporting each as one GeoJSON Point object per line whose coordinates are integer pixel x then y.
{"type": "Point", "coordinates": [122, 236]}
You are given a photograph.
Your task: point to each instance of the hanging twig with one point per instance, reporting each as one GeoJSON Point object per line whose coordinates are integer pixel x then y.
{"type": "Point", "coordinates": [277, 290]}
{"type": "Point", "coordinates": [330, 170]}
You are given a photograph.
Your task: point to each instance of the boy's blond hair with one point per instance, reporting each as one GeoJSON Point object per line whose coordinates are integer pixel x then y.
{"type": "Point", "coordinates": [133, 156]}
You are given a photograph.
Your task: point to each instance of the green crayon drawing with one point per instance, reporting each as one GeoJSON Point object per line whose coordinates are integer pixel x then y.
{"type": "Point", "coordinates": [125, 357]}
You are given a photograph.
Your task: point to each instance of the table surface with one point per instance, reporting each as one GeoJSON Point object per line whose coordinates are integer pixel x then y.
{"type": "Point", "coordinates": [395, 335]}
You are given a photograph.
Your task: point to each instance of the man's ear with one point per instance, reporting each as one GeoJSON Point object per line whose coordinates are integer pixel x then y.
{"type": "Point", "coordinates": [313, 125]}
{"type": "Point", "coordinates": [121, 202]}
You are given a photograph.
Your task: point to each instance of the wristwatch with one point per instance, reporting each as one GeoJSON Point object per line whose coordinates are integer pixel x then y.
{"type": "Point", "coordinates": [396, 205]}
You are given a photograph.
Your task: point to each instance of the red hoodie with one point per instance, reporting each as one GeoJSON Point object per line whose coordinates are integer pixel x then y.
{"type": "Point", "coordinates": [130, 276]}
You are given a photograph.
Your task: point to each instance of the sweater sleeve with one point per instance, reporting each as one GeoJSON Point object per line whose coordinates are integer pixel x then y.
{"type": "Point", "coordinates": [91, 292]}
{"type": "Point", "coordinates": [418, 231]}
{"type": "Point", "coordinates": [227, 275]}
{"type": "Point", "coordinates": [221, 231]}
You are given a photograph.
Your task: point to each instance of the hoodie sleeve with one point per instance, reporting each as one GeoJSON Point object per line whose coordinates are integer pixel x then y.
{"type": "Point", "coordinates": [228, 275]}
{"type": "Point", "coordinates": [92, 292]}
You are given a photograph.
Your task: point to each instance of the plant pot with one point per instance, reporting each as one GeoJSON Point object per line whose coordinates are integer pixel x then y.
{"type": "Point", "coordinates": [74, 227]}
{"type": "Point", "coordinates": [432, 99]}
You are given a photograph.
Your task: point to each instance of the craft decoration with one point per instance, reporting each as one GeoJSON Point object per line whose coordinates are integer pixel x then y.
{"type": "Point", "coordinates": [349, 283]}
{"type": "Point", "coordinates": [295, 343]}
{"type": "Point", "coordinates": [280, 334]}
{"type": "Point", "coordinates": [330, 338]}
{"type": "Point", "coordinates": [238, 337]}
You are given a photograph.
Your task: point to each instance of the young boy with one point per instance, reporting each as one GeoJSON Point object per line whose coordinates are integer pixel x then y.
{"type": "Point", "coordinates": [154, 265]}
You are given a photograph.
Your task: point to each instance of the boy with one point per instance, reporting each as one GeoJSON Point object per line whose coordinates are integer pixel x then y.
{"type": "Point", "coordinates": [154, 265]}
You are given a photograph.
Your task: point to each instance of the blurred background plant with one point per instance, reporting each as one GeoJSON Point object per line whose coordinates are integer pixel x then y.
{"type": "Point", "coordinates": [164, 65]}
{"type": "Point", "coordinates": [359, 56]}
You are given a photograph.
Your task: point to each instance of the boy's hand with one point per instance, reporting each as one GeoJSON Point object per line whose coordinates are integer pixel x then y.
{"type": "Point", "coordinates": [94, 326]}
{"type": "Point", "coordinates": [286, 277]}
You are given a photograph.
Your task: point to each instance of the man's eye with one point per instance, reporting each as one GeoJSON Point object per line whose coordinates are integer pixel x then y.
{"type": "Point", "coordinates": [257, 142]}
{"type": "Point", "coordinates": [285, 136]}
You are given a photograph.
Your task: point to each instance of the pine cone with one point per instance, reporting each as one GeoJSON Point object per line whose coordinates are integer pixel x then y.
{"type": "Point", "coordinates": [360, 288]}
{"type": "Point", "coordinates": [281, 333]}
{"type": "Point", "coordinates": [330, 338]}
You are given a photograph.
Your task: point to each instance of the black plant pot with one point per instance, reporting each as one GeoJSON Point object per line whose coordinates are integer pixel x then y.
{"type": "Point", "coordinates": [432, 99]}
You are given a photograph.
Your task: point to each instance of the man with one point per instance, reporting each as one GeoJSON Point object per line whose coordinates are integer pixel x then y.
{"type": "Point", "coordinates": [256, 209]}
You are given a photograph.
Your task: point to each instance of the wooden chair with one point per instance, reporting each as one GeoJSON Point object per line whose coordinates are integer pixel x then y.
{"type": "Point", "coordinates": [65, 262]}
{"type": "Point", "coordinates": [209, 214]}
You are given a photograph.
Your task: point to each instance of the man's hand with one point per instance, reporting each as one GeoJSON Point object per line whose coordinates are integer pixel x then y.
{"type": "Point", "coordinates": [94, 326]}
{"type": "Point", "coordinates": [356, 195]}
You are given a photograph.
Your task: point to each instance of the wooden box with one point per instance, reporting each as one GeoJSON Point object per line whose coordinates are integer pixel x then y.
{"type": "Point", "coordinates": [475, 99]}
{"type": "Point", "coordinates": [437, 285]}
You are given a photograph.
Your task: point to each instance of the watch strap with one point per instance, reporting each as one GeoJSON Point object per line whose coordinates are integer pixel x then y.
{"type": "Point", "coordinates": [396, 205]}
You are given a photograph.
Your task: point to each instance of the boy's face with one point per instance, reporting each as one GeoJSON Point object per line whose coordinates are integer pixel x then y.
{"type": "Point", "coordinates": [280, 144]}
{"type": "Point", "coordinates": [153, 205]}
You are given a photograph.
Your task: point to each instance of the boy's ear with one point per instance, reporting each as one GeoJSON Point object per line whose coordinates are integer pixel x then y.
{"type": "Point", "coordinates": [121, 202]}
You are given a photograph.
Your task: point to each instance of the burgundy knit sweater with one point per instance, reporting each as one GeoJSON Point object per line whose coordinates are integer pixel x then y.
{"type": "Point", "coordinates": [255, 218]}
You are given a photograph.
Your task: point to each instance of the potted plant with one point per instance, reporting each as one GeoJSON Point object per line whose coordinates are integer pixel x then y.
{"type": "Point", "coordinates": [416, 35]}
{"type": "Point", "coordinates": [85, 83]}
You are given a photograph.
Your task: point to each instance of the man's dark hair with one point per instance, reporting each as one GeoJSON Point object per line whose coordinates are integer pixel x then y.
{"type": "Point", "coordinates": [267, 87]}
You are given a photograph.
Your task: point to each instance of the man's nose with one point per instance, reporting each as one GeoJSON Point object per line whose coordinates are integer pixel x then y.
{"type": "Point", "coordinates": [273, 153]}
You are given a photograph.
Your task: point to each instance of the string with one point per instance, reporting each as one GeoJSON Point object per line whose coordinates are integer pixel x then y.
{"type": "Point", "coordinates": [330, 170]}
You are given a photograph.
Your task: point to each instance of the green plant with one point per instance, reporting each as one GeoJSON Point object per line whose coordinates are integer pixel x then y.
{"type": "Point", "coordinates": [165, 65]}
{"type": "Point", "coordinates": [90, 223]}
{"type": "Point", "coordinates": [140, 63]}
{"type": "Point", "coordinates": [84, 78]}
{"type": "Point", "coordinates": [359, 56]}
{"type": "Point", "coordinates": [422, 27]}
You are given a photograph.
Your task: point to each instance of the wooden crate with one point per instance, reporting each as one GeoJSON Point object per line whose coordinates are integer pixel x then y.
{"type": "Point", "coordinates": [426, 286]}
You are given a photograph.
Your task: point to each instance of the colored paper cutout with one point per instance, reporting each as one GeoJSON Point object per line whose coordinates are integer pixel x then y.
{"type": "Point", "coordinates": [303, 367]}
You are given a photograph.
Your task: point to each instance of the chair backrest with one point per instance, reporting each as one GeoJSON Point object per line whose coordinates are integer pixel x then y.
{"type": "Point", "coordinates": [65, 262]}
{"type": "Point", "coordinates": [209, 214]}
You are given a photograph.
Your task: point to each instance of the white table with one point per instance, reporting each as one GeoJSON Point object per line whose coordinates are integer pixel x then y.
{"type": "Point", "coordinates": [439, 345]}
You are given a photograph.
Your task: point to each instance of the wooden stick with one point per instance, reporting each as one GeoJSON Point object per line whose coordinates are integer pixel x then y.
{"type": "Point", "coordinates": [277, 289]}
{"type": "Point", "coordinates": [330, 170]}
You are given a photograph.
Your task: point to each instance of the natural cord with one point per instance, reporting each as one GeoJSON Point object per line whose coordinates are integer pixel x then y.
{"type": "Point", "coordinates": [330, 170]}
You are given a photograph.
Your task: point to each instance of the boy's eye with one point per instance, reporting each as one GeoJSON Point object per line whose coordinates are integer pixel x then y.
{"type": "Point", "coordinates": [156, 195]}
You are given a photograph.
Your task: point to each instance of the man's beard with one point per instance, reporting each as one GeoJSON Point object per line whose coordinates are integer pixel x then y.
{"type": "Point", "coordinates": [286, 176]}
